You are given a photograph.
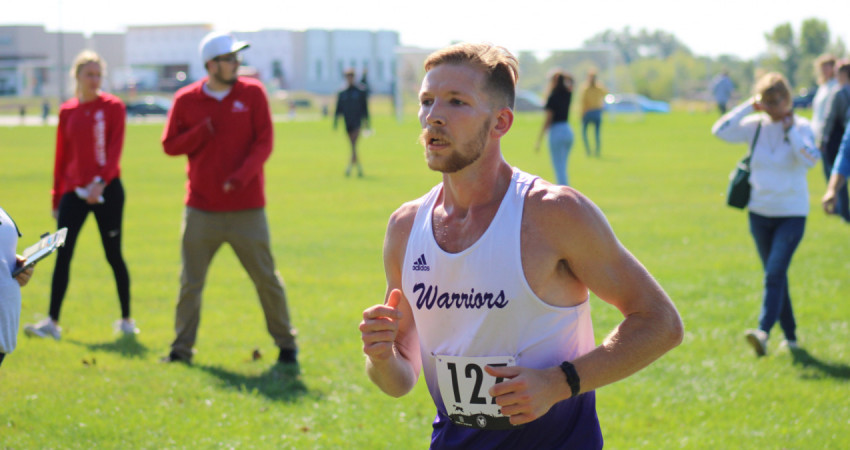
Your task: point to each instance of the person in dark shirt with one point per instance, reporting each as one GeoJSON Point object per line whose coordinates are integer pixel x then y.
{"type": "Point", "coordinates": [351, 104]}
{"type": "Point", "coordinates": [557, 114]}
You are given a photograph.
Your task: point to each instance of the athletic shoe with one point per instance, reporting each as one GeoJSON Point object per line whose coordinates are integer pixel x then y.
{"type": "Point", "coordinates": [45, 328]}
{"type": "Point", "coordinates": [758, 340]}
{"type": "Point", "coordinates": [791, 345]}
{"type": "Point", "coordinates": [287, 356]}
{"type": "Point", "coordinates": [173, 357]}
{"type": "Point", "coordinates": [126, 326]}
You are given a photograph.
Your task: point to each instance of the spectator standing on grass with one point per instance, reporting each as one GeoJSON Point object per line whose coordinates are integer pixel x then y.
{"type": "Point", "coordinates": [45, 111]}
{"type": "Point", "coordinates": [353, 106]}
{"type": "Point", "coordinates": [488, 277]}
{"type": "Point", "coordinates": [87, 179]}
{"type": "Point", "coordinates": [783, 151]}
{"type": "Point", "coordinates": [840, 172]}
{"type": "Point", "coordinates": [827, 85]}
{"type": "Point", "coordinates": [10, 287]}
{"type": "Point", "coordinates": [556, 121]}
{"type": "Point", "coordinates": [223, 124]}
{"type": "Point", "coordinates": [722, 88]}
{"type": "Point", "coordinates": [835, 123]}
{"type": "Point", "coordinates": [592, 104]}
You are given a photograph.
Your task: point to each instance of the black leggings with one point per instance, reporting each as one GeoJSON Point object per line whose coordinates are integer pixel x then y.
{"type": "Point", "coordinates": [109, 215]}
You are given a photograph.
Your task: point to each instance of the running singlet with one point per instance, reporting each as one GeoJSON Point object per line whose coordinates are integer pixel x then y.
{"type": "Point", "coordinates": [475, 308]}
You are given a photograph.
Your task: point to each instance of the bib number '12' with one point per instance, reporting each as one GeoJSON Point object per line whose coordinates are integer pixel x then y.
{"type": "Point", "coordinates": [464, 386]}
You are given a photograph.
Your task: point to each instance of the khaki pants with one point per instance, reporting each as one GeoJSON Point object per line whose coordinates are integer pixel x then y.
{"type": "Point", "coordinates": [247, 233]}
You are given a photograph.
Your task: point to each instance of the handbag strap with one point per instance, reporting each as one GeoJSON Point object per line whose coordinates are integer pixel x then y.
{"type": "Point", "coordinates": [749, 156]}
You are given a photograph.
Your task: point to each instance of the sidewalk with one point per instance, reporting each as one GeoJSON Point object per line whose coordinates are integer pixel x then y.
{"type": "Point", "coordinates": [29, 121]}
{"type": "Point", "coordinates": [11, 120]}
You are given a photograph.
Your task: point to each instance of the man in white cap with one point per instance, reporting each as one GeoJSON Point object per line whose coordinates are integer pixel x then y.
{"type": "Point", "coordinates": [222, 123]}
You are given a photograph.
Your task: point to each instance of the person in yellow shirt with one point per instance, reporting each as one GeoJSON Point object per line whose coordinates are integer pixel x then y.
{"type": "Point", "coordinates": [592, 101]}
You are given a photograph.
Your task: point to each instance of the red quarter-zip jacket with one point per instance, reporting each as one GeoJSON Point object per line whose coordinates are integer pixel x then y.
{"type": "Point", "coordinates": [225, 141]}
{"type": "Point", "coordinates": [89, 140]}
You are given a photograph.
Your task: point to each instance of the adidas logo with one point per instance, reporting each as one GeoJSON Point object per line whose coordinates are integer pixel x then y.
{"type": "Point", "coordinates": [420, 264]}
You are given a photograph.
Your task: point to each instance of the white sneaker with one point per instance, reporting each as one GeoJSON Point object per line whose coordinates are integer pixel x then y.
{"type": "Point", "coordinates": [45, 328]}
{"type": "Point", "coordinates": [126, 326]}
{"type": "Point", "coordinates": [758, 340]}
{"type": "Point", "coordinates": [792, 345]}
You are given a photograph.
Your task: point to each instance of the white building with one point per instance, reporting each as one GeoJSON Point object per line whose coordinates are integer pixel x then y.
{"type": "Point", "coordinates": [34, 62]}
{"type": "Point", "coordinates": [167, 57]}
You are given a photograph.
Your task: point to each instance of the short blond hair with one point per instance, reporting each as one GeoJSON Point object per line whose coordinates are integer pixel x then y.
{"type": "Point", "coordinates": [772, 87]}
{"type": "Point", "coordinates": [827, 59]}
{"type": "Point", "coordinates": [83, 58]}
{"type": "Point", "coordinates": [500, 66]}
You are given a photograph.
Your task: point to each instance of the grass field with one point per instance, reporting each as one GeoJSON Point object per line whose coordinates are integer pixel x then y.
{"type": "Point", "coordinates": [660, 182]}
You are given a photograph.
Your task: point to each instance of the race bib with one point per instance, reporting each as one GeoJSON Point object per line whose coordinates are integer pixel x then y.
{"type": "Point", "coordinates": [464, 386]}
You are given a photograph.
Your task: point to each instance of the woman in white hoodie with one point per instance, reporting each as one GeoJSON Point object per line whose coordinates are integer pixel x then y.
{"type": "Point", "coordinates": [783, 151]}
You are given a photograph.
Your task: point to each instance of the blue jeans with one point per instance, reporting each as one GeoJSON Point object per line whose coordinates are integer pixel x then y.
{"type": "Point", "coordinates": [560, 143]}
{"type": "Point", "coordinates": [776, 240]}
{"type": "Point", "coordinates": [593, 116]}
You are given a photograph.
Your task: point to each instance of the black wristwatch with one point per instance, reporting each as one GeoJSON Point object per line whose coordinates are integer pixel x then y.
{"type": "Point", "coordinates": [572, 377]}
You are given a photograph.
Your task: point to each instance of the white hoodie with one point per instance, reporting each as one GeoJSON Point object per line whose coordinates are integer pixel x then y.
{"type": "Point", "coordinates": [779, 163]}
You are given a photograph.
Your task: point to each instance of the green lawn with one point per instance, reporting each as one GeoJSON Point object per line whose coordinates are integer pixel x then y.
{"type": "Point", "coordinates": [660, 182]}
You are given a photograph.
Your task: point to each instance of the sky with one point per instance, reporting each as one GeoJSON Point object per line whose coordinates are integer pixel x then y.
{"type": "Point", "coordinates": [721, 27]}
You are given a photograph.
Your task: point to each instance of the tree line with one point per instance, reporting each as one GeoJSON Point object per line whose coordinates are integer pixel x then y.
{"type": "Point", "coordinates": [656, 64]}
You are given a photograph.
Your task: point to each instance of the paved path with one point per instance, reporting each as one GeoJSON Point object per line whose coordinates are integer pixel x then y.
{"type": "Point", "coordinates": [11, 120]}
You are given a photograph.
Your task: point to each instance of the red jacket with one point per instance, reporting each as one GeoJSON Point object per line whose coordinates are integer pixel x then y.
{"type": "Point", "coordinates": [225, 141]}
{"type": "Point", "coordinates": [89, 140]}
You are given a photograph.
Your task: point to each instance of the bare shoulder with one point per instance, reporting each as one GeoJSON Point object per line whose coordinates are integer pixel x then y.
{"type": "Point", "coordinates": [567, 222]}
{"type": "Point", "coordinates": [548, 205]}
{"type": "Point", "coordinates": [401, 220]}
{"type": "Point", "coordinates": [398, 230]}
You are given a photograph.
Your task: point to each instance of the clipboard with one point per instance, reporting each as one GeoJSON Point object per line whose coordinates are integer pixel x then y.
{"type": "Point", "coordinates": [48, 244]}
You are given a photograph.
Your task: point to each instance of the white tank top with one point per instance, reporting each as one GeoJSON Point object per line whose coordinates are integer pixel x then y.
{"type": "Point", "coordinates": [478, 303]}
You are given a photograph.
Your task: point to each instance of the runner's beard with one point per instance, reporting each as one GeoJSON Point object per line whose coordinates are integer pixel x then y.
{"type": "Point", "coordinates": [457, 160]}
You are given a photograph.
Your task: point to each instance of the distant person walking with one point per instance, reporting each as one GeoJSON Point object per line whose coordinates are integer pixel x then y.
{"type": "Point", "coordinates": [783, 151]}
{"type": "Point", "coordinates": [10, 287]}
{"type": "Point", "coordinates": [838, 114]}
{"type": "Point", "coordinates": [722, 88]}
{"type": "Point", "coordinates": [45, 111]}
{"type": "Point", "coordinates": [353, 106]}
{"type": "Point", "coordinates": [364, 82]}
{"type": "Point", "coordinates": [592, 103]}
{"type": "Point", "coordinates": [223, 124]}
{"type": "Point", "coordinates": [87, 179]}
{"type": "Point", "coordinates": [557, 112]}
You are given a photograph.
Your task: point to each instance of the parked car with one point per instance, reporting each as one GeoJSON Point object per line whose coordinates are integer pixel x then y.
{"type": "Point", "coordinates": [804, 100]}
{"type": "Point", "coordinates": [527, 101]}
{"type": "Point", "coordinates": [631, 103]}
{"type": "Point", "coordinates": [148, 106]}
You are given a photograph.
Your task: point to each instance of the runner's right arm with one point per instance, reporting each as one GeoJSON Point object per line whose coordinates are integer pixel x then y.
{"type": "Point", "coordinates": [388, 331]}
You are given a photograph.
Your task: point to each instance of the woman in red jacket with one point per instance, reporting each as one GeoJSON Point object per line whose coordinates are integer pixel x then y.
{"type": "Point", "coordinates": [86, 179]}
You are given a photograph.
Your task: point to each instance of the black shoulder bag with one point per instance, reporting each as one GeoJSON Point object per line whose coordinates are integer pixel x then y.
{"type": "Point", "coordinates": [738, 194]}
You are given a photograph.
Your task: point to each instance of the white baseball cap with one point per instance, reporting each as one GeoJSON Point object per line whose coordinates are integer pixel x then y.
{"type": "Point", "coordinates": [220, 43]}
